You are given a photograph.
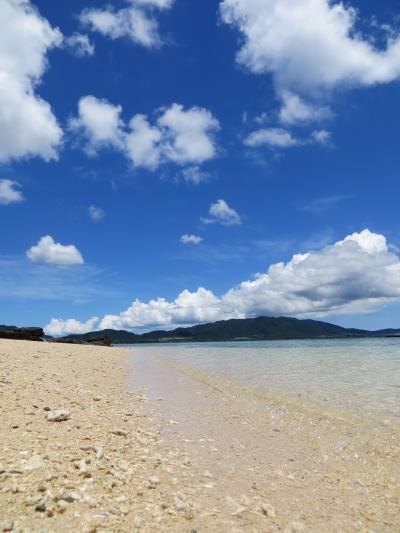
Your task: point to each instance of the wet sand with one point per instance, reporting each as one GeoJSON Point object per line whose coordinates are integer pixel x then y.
{"type": "Point", "coordinates": [148, 446]}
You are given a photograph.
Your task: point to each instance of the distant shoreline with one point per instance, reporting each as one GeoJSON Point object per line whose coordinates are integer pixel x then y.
{"type": "Point", "coordinates": [248, 329]}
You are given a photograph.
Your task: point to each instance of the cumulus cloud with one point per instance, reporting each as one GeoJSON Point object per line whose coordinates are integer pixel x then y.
{"type": "Point", "coordinates": [273, 137]}
{"type": "Point", "coordinates": [279, 39]}
{"type": "Point", "coordinates": [190, 239]}
{"type": "Point", "coordinates": [185, 137]}
{"type": "Point", "coordinates": [136, 21]}
{"type": "Point", "coordinates": [10, 192]}
{"type": "Point", "coordinates": [310, 48]}
{"type": "Point", "coordinates": [27, 124]}
{"type": "Point", "coordinates": [52, 253]}
{"type": "Point", "coordinates": [355, 275]}
{"type": "Point", "coordinates": [96, 213]}
{"type": "Point", "coordinates": [79, 44]}
{"type": "Point", "coordinates": [59, 328]}
{"type": "Point", "coordinates": [221, 213]}
{"type": "Point", "coordinates": [295, 109]}
{"type": "Point", "coordinates": [99, 122]}
{"type": "Point", "coordinates": [187, 134]}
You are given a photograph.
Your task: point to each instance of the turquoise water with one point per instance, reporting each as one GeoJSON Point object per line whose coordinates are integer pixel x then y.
{"type": "Point", "coordinates": [358, 374]}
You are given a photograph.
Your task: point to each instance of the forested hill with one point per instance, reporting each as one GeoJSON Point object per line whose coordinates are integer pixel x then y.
{"type": "Point", "coordinates": [262, 328]}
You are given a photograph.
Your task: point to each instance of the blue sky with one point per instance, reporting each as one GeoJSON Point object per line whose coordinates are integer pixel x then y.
{"type": "Point", "coordinates": [259, 152]}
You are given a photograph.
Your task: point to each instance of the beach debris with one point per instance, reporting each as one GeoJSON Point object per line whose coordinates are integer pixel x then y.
{"type": "Point", "coordinates": [59, 415]}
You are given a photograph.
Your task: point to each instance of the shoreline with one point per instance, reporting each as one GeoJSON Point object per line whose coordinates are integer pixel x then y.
{"type": "Point", "coordinates": [103, 468]}
{"type": "Point", "coordinates": [195, 459]}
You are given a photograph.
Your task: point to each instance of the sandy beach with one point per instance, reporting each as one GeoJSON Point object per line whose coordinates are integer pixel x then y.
{"type": "Point", "coordinates": [86, 445]}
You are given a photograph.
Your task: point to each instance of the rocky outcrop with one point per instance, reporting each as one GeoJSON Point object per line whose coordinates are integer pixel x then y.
{"type": "Point", "coordinates": [21, 334]}
{"type": "Point", "coordinates": [94, 341]}
{"type": "Point", "coordinates": [37, 334]}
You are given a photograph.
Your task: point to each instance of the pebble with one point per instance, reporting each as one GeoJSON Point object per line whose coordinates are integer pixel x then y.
{"type": "Point", "coordinates": [179, 504]}
{"type": "Point", "coordinates": [27, 465]}
{"type": "Point", "coordinates": [83, 468]}
{"type": "Point", "coordinates": [61, 506]}
{"type": "Point", "coordinates": [137, 522]}
{"type": "Point", "coordinates": [99, 451]}
{"type": "Point", "coordinates": [119, 432]}
{"type": "Point", "coordinates": [40, 507]}
{"type": "Point", "coordinates": [6, 525]}
{"type": "Point", "coordinates": [268, 510]}
{"type": "Point", "coordinates": [113, 510]}
{"type": "Point", "coordinates": [60, 415]}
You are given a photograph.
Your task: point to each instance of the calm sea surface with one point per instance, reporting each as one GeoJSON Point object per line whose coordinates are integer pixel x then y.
{"type": "Point", "coordinates": [355, 374]}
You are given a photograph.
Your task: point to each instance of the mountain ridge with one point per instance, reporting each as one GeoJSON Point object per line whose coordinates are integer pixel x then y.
{"type": "Point", "coordinates": [249, 329]}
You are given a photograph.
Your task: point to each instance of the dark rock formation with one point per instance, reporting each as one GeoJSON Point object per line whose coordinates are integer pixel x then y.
{"type": "Point", "coordinates": [95, 341]}
{"type": "Point", "coordinates": [21, 334]}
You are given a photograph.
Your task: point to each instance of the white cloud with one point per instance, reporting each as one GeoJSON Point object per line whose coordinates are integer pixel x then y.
{"type": "Point", "coordinates": [27, 124]}
{"type": "Point", "coordinates": [53, 253]}
{"type": "Point", "coordinates": [79, 44]}
{"type": "Point", "coordinates": [143, 143]}
{"type": "Point", "coordinates": [295, 109]}
{"type": "Point", "coordinates": [188, 134]}
{"type": "Point", "coordinates": [99, 122]}
{"type": "Point", "coordinates": [371, 243]}
{"type": "Point", "coordinates": [221, 213]}
{"type": "Point", "coordinates": [10, 193]}
{"type": "Point", "coordinates": [190, 239]}
{"type": "Point", "coordinates": [189, 307]}
{"type": "Point", "coordinates": [195, 175]}
{"type": "Point", "coordinates": [274, 137]}
{"type": "Point", "coordinates": [321, 136]}
{"type": "Point", "coordinates": [59, 328]}
{"type": "Point", "coordinates": [183, 137]}
{"type": "Point", "coordinates": [356, 275]}
{"type": "Point", "coordinates": [160, 4]}
{"type": "Point", "coordinates": [136, 21]}
{"type": "Point", "coordinates": [311, 48]}
{"type": "Point", "coordinates": [96, 213]}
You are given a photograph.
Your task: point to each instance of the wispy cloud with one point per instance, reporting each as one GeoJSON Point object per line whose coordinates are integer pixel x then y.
{"type": "Point", "coordinates": [23, 280]}
{"type": "Point", "coordinates": [324, 203]}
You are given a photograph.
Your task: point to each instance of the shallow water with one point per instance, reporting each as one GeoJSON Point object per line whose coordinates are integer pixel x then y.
{"type": "Point", "coordinates": [356, 374]}
{"type": "Point", "coordinates": [313, 425]}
